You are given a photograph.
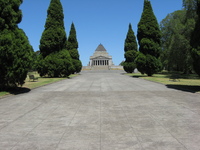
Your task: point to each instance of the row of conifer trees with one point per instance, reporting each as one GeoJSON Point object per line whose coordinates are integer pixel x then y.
{"type": "Point", "coordinates": [147, 59]}
{"type": "Point", "coordinates": [58, 55]}
{"type": "Point", "coordinates": [149, 38]}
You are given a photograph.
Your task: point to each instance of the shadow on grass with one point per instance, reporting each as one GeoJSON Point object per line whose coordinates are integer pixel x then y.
{"type": "Point", "coordinates": [185, 88]}
{"type": "Point", "coordinates": [18, 90]}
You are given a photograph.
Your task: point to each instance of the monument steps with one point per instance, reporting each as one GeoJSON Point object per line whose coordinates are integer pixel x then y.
{"type": "Point", "coordinates": [100, 68]}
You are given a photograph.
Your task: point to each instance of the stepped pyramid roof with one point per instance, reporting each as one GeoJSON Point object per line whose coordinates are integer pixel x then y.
{"type": "Point", "coordinates": [100, 48]}
{"type": "Point", "coordinates": [101, 53]}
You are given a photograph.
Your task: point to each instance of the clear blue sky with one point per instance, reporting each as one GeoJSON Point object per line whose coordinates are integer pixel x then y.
{"type": "Point", "coordinates": [96, 21]}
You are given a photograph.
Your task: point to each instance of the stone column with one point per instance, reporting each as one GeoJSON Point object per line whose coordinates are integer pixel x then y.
{"type": "Point", "coordinates": [110, 62]}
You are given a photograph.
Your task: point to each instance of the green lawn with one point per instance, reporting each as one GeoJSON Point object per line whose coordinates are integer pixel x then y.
{"type": "Point", "coordinates": [184, 82]}
{"type": "Point", "coordinates": [3, 93]}
{"type": "Point", "coordinates": [29, 84]}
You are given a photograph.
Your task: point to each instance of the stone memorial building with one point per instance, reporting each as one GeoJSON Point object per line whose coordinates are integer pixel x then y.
{"type": "Point", "coordinates": [100, 58]}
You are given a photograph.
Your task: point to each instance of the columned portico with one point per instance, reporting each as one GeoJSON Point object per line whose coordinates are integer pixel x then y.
{"type": "Point", "coordinates": [100, 62]}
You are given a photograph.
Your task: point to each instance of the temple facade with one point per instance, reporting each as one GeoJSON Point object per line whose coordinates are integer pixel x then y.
{"type": "Point", "coordinates": [100, 58]}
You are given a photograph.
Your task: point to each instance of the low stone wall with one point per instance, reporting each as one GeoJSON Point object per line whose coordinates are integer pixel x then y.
{"type": "Point", "coordinates": [116, 68]}
{"type": "Point", "coordinates": [103, 67]}
{"type": "Point", "coordinates": [86, 68]}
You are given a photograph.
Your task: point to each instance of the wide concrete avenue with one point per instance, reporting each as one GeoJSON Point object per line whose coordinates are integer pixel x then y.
{"type": "Point", "coordinates": [101, 110]}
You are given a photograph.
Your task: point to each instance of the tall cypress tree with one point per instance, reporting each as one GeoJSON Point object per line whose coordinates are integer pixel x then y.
{"type": "Point", "coordinates": [195, 42]}
{"type": "Point", "coordinates": [15, 50]}
{"type": "Point", "coordinates": [130, 49]}
{"type": "Point", "coordinates": [53, 43]}
{"type": "Point", "coordinates": [72, 46]}
{"type": "Point", "coordinates": [149, 38]}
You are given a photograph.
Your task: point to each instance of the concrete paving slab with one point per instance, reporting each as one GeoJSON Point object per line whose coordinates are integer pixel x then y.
{"type": "Point", "coordinates": [101, 110]}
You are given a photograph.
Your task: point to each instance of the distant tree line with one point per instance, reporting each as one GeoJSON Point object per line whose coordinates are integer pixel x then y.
{"type": "Point", "coordinates": [174, 45]}
{"type": "Point", "coordinates": [57, 57]}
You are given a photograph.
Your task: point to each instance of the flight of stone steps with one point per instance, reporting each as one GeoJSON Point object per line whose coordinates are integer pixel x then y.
{"type": "Point", "coordinates": [100, 68]}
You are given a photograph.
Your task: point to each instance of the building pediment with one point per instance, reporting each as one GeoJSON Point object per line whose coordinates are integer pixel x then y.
{"type": "Point", "coordinates": [100, 57]}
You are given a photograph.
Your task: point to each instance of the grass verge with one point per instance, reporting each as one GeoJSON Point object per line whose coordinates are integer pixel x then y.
{"type": "Point", "coordinates": [179, 81]}
{"type": "Point", "coordinates": [29, 84]}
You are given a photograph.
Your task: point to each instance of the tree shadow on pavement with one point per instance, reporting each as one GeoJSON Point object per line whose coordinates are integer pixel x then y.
{"type": "Point", "coordinates": [138, 76]}
{"type": "Point", "coordinates": [185, 88]}
{"type": "Point", "coordinates": [18, 90]}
